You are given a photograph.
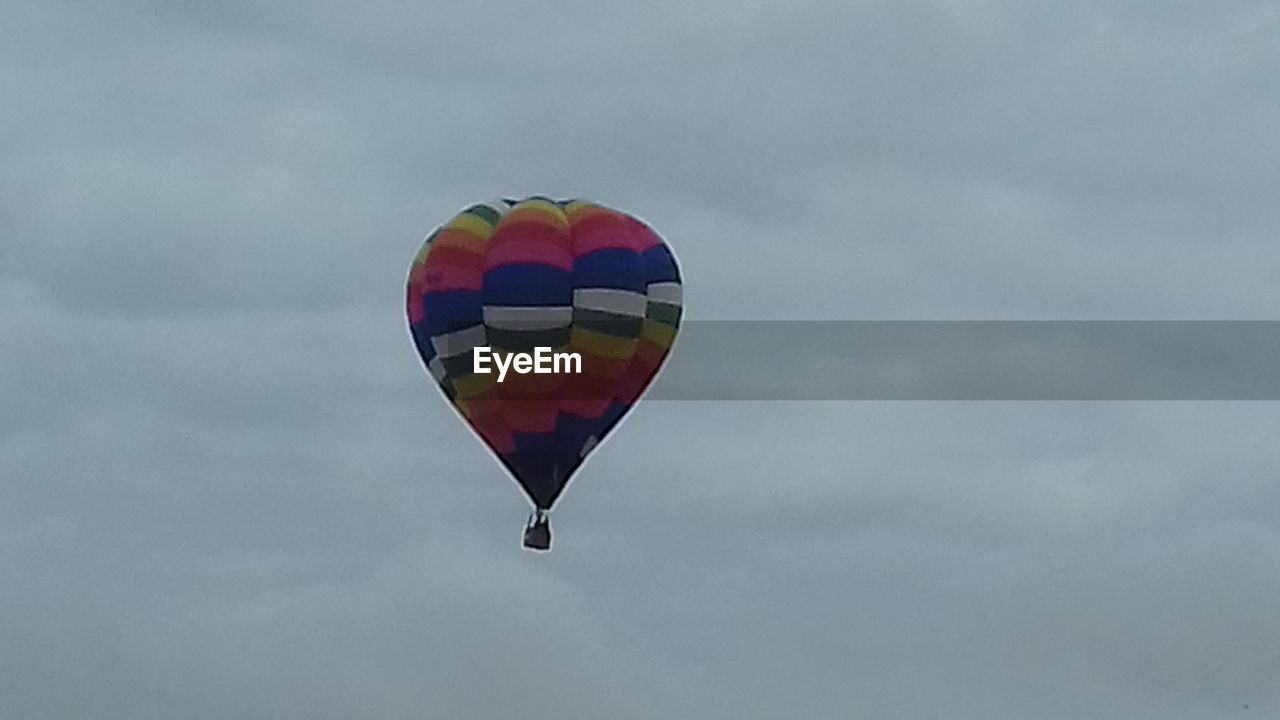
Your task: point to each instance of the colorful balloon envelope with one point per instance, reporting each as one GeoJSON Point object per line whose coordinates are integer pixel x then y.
{"type": "Point", "coordinates": [571, 309]}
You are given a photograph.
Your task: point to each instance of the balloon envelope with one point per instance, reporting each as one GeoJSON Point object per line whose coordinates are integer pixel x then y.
{"type": "Point", "coordinates": [572, 277]}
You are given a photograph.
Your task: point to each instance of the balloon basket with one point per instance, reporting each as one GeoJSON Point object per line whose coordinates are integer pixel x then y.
{"type": "Point", "coordinates": [537, 533]}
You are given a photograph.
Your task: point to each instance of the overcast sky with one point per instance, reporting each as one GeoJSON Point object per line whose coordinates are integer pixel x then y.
{"type": "Point", "coordinates": [228, 489]}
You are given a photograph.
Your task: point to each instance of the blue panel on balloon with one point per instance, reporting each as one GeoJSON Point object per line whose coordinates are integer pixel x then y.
{"type": "Point", "coordinates": [659, 266]}
{"type": "Point", "coordinates": [609, 268]}
{"type": "Point", "coordinates": [451, 310]}
{"type": "Point", "coordinates": [528, 285]}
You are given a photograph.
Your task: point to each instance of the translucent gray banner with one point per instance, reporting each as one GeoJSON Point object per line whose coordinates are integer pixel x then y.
{"type": "Point", "coordinates": [978, 360]}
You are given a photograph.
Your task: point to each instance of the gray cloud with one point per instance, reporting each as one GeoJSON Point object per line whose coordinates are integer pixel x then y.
{"type": "Point", "coordinates": [228, 490]}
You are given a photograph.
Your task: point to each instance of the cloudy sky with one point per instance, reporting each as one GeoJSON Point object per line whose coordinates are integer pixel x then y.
{"type": "Point", "coordinates": [227, 489]}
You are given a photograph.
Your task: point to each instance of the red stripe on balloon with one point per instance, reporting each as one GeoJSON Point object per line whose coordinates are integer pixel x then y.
{"type": "Point", "coordinates": [522, 243]}
{"type": "Point", "coordinates": [586, 396]}
{"type": "Point", "coordinates": [531, 416]}
{"type": "Point", "coordinates": [644, 364]}
{"type": "Point", "coordinates": [603, 232]}
{"type": "Point", "coordinates": [493, 427]}
{"type": "Point", "coordinates": [641, 236]}
{"type": "Point", "coordinates": [453, 269]}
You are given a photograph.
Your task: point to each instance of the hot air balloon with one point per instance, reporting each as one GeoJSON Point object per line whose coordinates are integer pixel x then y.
{"type": "Point", "coordinates": [521, 281]}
